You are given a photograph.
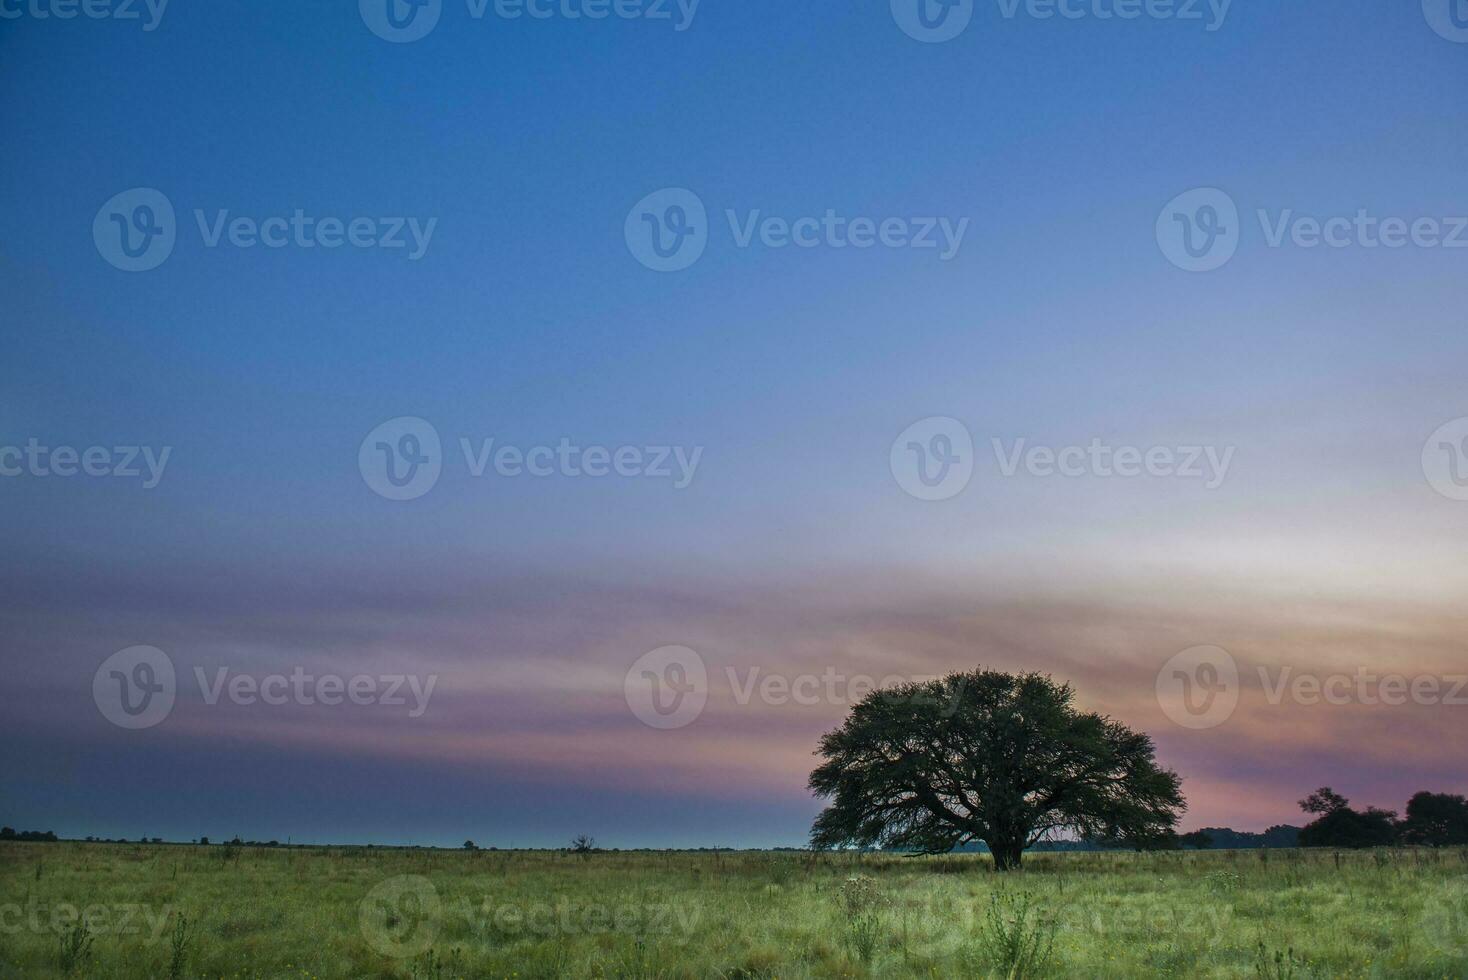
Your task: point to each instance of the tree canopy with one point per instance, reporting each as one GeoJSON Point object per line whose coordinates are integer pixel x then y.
{"type": "Point", "coordinates": [1340, 826]}
{"type": "Point", "coordinates": [1436, 820]}
{"type": "Point", "coordinates": [1006, 759]}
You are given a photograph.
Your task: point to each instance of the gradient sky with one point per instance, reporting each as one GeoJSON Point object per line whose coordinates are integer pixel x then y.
{"type": "Point", "coordinates": [794, 550]}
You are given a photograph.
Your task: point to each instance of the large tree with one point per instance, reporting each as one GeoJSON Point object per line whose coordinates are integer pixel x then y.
{"type": "Point", "coordinates": [1006, 759]}
{"type": "Point", "coordinates": [1436, 820]}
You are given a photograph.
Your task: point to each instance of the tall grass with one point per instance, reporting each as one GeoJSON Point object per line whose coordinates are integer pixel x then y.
{"type": "Point", "coordinates": [185, 912]}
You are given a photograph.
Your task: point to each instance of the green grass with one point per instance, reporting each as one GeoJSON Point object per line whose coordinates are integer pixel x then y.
{"type": "Point", "coordinates": [160, 911]}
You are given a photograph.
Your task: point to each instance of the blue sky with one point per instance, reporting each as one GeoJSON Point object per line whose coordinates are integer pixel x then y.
{"type": "Point", "coordinates": [528, 320]}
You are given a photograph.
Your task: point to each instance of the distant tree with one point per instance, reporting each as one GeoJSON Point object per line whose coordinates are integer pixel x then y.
{"type": "Point", "coordinates": [583, 845]}
{"type": "Point", "coordinates": [1340, 826]}
{"type": "Point", "coordinates": [1006, 759]}
{"type": "Point", "coordinates": [1281, 835]}
{"type": "Point", "coordinates": [469, 846]}
{"type": "Point", "coordinates": [7, 833]}
{"type": "Point", "coordinates": [1198, 840]}
{"type": "Point", "coordinates": [204, 841]}
{"type": "Point", "coordinates": [1436, 820]}
{"type": "Point", "coordinates": [1324, 800]}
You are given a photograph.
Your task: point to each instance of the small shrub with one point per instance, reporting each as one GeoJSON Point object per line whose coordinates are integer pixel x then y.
{"type": "Point", "coordinates": [76, 948]}
{"type": "Point", "coordinates": [1014, 939]}
{"type": "Point", "coordinates": [641, 962]}
{"type": "Point", "coordinates": [1225, 882]}
{"type": "Point", "coordinates": [179, 941]}
{"type": "Point", "coordinates": [434, 966]}
{"type": "Point", "coordinates": [1278, 965]}
{"type": "Point", "coordinates": [862, 901]}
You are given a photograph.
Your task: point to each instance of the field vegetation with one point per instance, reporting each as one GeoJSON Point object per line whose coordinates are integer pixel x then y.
{"type": "Point", "coordinates": [147, 911]}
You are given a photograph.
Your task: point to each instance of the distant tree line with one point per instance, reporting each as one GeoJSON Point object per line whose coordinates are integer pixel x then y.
{"type": "Point", "coordinates": [1432, 820]}
{"type": "Point", "coordinates": [10, 833]}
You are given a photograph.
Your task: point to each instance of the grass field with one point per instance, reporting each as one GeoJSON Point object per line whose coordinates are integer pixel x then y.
{"type": "Point", "coordinates": [145, 911]}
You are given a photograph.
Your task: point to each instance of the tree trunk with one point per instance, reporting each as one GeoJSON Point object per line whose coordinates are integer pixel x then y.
{"type": "Point", "coordinates": [1007, 855]}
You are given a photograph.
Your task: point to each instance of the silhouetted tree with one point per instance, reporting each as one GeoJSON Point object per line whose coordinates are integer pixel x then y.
{"type": "Point", "coordinates": [1324, 800]}
{"type": "Point", "coordinates": [1198, 840]}
{"type": "Point", "coordinates": [1340, 826]}
{"type": "Point", "coordinates": [469, 846]}
{"type": "Point", "coordinates": [1002, 758]}
{"type": "Point", "coordinates": [583, 845]}
{"type": "Point", "coordinates": [1436, 820]}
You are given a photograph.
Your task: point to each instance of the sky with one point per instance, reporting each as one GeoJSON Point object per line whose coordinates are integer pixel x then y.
{"type": "Point", "coordinates": [1089, 239]}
